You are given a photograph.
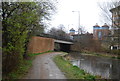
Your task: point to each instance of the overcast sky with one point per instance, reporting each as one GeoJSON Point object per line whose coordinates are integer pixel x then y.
{"type": "Point", "coordinates": [89, 14]}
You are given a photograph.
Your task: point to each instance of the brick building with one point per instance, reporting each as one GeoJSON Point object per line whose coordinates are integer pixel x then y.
{"type": "Point", "coordinates": [99, 33]}
{"type": "Point", "coordinates": [115, 35]}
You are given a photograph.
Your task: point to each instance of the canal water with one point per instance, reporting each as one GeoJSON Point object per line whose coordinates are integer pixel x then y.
{"type": "Point", "coordinates": [105, 67]}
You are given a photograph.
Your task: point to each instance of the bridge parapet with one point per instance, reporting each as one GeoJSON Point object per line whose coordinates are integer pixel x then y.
{"type": "Point", "coordinates": [55, 37]}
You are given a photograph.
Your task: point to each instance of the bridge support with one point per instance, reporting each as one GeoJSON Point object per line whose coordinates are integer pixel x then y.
{"type": "Point", "coordinates": [62, 47]}
{"type": "Point", "coordinates": [65, 47]}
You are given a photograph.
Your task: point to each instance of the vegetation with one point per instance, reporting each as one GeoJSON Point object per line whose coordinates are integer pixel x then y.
{"type": "Point", "coordinates": [34, 54]}
{"type": "Point", "coordinates": [110, 13]}
{"type": "Point", "coordinates": [108, 55]}
{"type": "Point", "coordinates": [106, 7]}
{"type": "Point", "coordinates": [23, 67]}
{"type": "Point", "coordinates": [70, 71]}
{"type": "Point", "coordinates": [87, 43]}
{"type": "Point", "coordinates": [20, 21]}
{"type": "Point", "coordinates": [59, 32]}
{"type": "Point", "coordinates": [21, 70]}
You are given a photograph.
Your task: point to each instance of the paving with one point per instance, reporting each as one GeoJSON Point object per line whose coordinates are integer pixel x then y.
{"type": "Point", "coordinates": [45, 68]}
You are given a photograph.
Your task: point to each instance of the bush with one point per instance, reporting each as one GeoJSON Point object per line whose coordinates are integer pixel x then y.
{"type": "Point", "coordinates": [19, 18]}
{"type": "Point", "coordinates": [115, 52]}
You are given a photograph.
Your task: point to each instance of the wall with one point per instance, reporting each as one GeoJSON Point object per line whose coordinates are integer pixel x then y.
{"type": "Point", "coordinates": [40, 44]}
{"type": "Point", "coordinates": [99, 34]}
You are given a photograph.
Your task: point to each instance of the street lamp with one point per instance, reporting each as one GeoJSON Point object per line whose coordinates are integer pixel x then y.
{"type": "Point", "coordinates": [78, 20]}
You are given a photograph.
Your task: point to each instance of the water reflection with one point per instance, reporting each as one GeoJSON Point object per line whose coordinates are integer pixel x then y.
{"type": "Point", "coordinates": [105, 67]}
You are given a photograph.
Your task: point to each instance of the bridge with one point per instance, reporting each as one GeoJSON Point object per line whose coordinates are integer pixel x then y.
{"type": "Point", "coordinates": [64, 38]}
{"type": "Point", "coordinates": [46, 42]}
{"type": "Point", "coordinates": [61, 41]}
{"type": "Point", "coordinates": [60, 45]}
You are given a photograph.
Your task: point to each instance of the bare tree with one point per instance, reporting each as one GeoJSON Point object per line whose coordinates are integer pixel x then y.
{"type": "Point", "coordinates": [105, 8]}
{"type": "Point", "coordinates": [81, 30]}
{"type": "Point", "coordinates": [111, 15]}
{"type": "Point", "coordinates": [52, 31]}
{"type": "Point", "coordinates": [59, 32]}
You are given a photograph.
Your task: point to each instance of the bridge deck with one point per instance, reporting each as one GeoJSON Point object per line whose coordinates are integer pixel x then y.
{"type": "Point", "coordinates": [64, 42]}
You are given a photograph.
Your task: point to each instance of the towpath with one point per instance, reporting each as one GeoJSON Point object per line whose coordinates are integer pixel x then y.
{"type": "Point", "coordinates": [44, 68]}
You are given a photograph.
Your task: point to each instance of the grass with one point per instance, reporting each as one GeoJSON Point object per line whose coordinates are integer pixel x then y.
{"type": "Point", "coordinates": [23, 67]}
{"type": "Point", "coordinates": [70, 71]}
{"type": "Point", "coordinates": [21, 70]}
{"type": "Point", "coordinates": [101, 54]}
{"type": "Point", "coordinates": [34, 54]}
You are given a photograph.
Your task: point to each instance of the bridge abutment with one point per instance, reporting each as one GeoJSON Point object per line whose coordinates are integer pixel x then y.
{"type": "Point", "coordinates": [43, 44]}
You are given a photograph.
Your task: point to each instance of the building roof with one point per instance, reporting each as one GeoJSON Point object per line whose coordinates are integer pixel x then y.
{"type": "Point", "coordinates": [113, 9]}
{"type": "Point", "coordinates": [105, 25]}
{"type": "Point", "coordinates": [96, 25]}
{"type": "Point", "coordinates": [72, 29]}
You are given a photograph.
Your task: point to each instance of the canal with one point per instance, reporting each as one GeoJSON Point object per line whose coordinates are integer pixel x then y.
{"type": "Point", "coordinates": [107, 68]}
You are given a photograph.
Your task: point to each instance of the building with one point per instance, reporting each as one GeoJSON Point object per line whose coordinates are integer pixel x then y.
{"type": "Point", "coordinates": [99, 33]}
{"type": "Point", "coordinates": [79, 37]}
{"type": "Point", "coordinates": [72, 32]}
{"type": "Point", "coordinates": [115, 35]}
{"type": "Point", "coordinates": [115, 17]}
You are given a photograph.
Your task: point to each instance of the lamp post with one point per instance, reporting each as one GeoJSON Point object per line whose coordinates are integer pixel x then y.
{"type": "Point", "coordinates": [78, 21]}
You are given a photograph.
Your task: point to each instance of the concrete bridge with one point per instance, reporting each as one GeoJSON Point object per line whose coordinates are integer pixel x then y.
{"type": "Point", "coordinates": [60, 45]}
{"type": "Point", "coordinates": [40, 44]}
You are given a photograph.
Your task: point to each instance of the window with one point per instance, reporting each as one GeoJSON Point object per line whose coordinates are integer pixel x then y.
{"type": "Point", "coordinates": [99, 35]}
{"type": "Point", "coordinates": [114, 47]}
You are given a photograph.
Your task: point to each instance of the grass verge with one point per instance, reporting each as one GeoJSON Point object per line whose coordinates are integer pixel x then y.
{"type": "Point", "coordinates": [70, 71]}
{"type": "Point", "coordinates": [23, 67]}
{"type": "Point", "coordinates": [34, 54]}
{"type": "Point", "coordinates": [101, 55]}
{"type": "Point", "coordinates": [21, 70]}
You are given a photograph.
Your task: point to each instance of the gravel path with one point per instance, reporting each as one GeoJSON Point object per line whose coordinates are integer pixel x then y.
{"type": "Point", "coordinates": [44, 68]}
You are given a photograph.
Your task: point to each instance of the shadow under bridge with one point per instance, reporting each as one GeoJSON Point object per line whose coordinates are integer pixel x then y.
{"type": "Point", "coordinates": [60, 45]}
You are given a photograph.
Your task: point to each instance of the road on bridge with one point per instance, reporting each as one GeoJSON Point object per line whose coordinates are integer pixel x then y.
{"type": "Point", "coordinates": [44, 68]}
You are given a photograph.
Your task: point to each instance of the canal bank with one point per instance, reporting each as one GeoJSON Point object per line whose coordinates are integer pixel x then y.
{"type": "Point", "coordinates": [105, 67]}
{"type": "Point", "coordinates": [114, 56]}
{"type": "Point", "coordinates": [72, 71]}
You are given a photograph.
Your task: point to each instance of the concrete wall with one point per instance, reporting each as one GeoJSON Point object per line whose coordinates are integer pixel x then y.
{"type": "Point", "coordinates": [40, 44]}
